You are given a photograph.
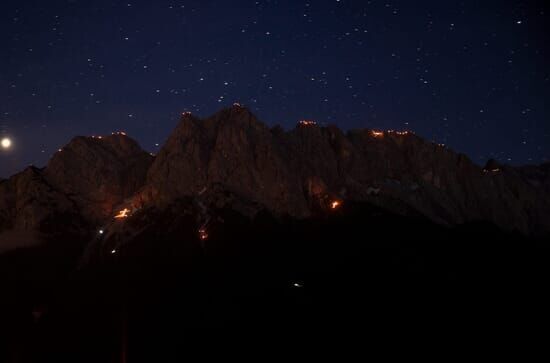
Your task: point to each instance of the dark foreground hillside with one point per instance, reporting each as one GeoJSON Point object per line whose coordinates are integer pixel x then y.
{"type": "Point", "coordinates": [359, 272]}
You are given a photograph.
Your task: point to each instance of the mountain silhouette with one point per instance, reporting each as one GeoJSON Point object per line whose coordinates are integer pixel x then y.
{"type": "Point", "coordinates": [295, 173]}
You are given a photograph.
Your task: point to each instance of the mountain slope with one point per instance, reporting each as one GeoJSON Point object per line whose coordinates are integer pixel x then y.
{"type": "Point", "coordinates": [99, 173]}
{"type": "Point", "coordinates": [78, 189]}
{"type": "Point", "coordinates": [232, 160]}
{"type": "Point", "coordinates": [296, 172]}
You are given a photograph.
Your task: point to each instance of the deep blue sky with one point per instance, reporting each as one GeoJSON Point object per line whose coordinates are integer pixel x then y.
{"type": "Point", "coordinates": [471, 74]}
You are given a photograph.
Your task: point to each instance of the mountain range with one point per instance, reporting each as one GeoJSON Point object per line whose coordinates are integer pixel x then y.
{"type": "Point", "coordinates": [236, 230]}
{"type": "Point", "coordinates": [233, 160]}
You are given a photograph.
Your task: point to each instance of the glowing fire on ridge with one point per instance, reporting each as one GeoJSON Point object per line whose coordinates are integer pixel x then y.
{"type": "Point", "coordinates": [335, 204]}
{"type": "Point", "coordinates": [123, 214]}
{"type": "Point", "coordinates": [377, 133]}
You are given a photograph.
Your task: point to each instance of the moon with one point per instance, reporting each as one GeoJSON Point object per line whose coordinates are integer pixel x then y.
{"type": "Point", "coordinates": [6, 143]}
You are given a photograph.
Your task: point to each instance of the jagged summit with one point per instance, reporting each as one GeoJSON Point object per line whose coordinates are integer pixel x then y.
{"type": "Point", "coordinates": [286, 172]}
{"type": "Point", "coordinates": [115, 144]}
{"type": "Point", "coordinates": [99, 172]}
{"type": "Point", "coordinates": [88, 177]}
{"type": "Point", "coordinates": [278, 169]}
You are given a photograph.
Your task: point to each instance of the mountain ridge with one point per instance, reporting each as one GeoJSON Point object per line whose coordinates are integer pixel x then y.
{"type": "Point", "coordinates": [286, 172]}
{"type": "Point", "coordinates": [277, 168]}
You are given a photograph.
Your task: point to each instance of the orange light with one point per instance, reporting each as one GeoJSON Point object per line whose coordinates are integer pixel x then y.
{"type": "Point", "coordinates": [307, 123]}
{"type": "Point", "coordinates": [377, 133]}
{"type": "Point", "coordinates": [123, 214]}
{"type": "Point", "coordinates": [335, 204]}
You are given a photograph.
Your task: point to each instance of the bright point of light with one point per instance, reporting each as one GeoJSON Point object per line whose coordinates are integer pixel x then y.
{"type": "Point", "coordinates": [113, 252]}
{"type": "Point", "coordinates": [203, 234]}
{"type": "Point", "coordinates": [297, 284]}
{"type": "Point", "coordinates": [6, 143]}
{"type": "Point", "coordinates": [101, 231]}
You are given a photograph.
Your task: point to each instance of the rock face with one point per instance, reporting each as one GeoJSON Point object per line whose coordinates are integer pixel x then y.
{"type": "Point", "coordinates": [83, 182]}
{"type": "Point", "coordinates": [233, 160]}
{"type": "Point", "coordinates": [99, 173]}
{"type": "Point", "coordinates": [537, 176]}
{"type": "Point", "coordinates": [27, 201]}
{"type": "Point", "coordinates": [232, 149]}
{"type": "Point", "coordinates": [291, 172]}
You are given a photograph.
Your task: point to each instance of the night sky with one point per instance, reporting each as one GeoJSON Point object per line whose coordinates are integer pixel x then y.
{"type": "Point", "coordinates": [470, 74]}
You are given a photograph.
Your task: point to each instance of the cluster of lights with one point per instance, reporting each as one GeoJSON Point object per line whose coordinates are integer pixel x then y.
{"type": "Point", "coordinates": [119, 133]}
{"type": "Point", "coordinates": [377, 133]}
{"type": "Point", "coordinates": [492, 170]}
{"type": "Point", "coordinates": [186, 113]}
{"type": "Point", "coordinates": [236, 104]}
{"type": "Point", "coordinates": [307, 123]}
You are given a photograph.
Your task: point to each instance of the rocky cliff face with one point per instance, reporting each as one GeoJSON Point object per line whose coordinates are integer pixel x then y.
{"type": "Point", "coordinates": [85, 180]}
{"type": "Point", "coordinates": [99, 173]}
{"type": "Point", "coordinates": [232, 149]}
{"type": "Point", "coordinates": [294, 172]}
{"type": "Point", "coordinates": [27, 201]}
{"type": "Point", "coordinates": [233, 160]}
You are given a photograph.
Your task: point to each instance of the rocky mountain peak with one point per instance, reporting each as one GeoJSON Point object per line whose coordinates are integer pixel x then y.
{"type": "Point", "coordinates": [233, 160]}
{"type": "Point", "coordinates": [99, 173]}
{"type": "Point", "coordinates": [284, 171]}
{"type": "Point", "coordinates": [87, 178]}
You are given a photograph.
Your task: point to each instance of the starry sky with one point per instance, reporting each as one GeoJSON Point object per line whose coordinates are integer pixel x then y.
{"type": "Point", "coordinates": [473, 75]}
